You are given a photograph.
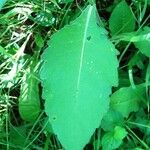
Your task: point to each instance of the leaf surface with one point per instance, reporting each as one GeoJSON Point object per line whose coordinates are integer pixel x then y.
{"type": "Point", "coordinates": [127, 99]}
{"type": "Point", "coordinates": [17, 137]}
{"type": "Point", "coordinates": [144, 44]}
{"type": "Point", "coordinates": [112, 140]}
{"type": "Point", "coordinates": [111, 119]}
{"type": "Point", "coordinates": [121, 19]}
{"type": "Point", "coordinates": [29, 101]}
{"type": "Point", "coordinates": [77, 79]}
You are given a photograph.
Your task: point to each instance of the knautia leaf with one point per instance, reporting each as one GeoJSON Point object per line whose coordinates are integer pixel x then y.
{"type": "Point", "coordinates": [79, 69]}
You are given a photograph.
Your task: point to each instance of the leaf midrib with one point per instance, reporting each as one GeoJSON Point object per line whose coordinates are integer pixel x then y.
{"type": "Point", "coordinates": [82, 50]}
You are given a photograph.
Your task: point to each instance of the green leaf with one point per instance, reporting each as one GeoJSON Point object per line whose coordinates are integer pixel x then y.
{"type": "Point", "coordinates": [127, 99]}
{"type": "Point", "coordinates": [39, 40]}
{"type": "Point", "coordinates": [66, 1]}
{"type": "Point", "coordinates": [91, 2]}
{"type": "Point", "coordinates": [147, 1]}
{"type": "Point", "coordinates": [138, 148]}
{"type": "Point", "coordinates": [119, 133]}
{"type": "Point", "coordinates": [17, 137]}
{"type": "Point", "coordinates": [147, 79]}
{"type": "Point", "coordinates": [112, 140]}
{"type": "Point", "coordinates": [121, 19]}
{"type": "Point", "coordinates": [29, 101]}
{"type": "Point", "coordinates": [111, 119]}
{"type": "Point", "coordinates": [77, 79]}
{"type": "Point", "coordinates": [136, 60]}
{"type": "Point", "coordinates": [43, 18]}
{"type": "Point", "coordinates": [123, 79]}
{"type": "Point", "coordinates": [3, 52]}
{"type": "Point", "coordinates": [144, 44]}
{"type": "Point", "coordinates": [2, 2]}
{"type": "Point", "coordinates": [141, 40]}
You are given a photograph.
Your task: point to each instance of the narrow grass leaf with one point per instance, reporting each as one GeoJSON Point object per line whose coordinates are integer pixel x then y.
{"type": "Point", "coordinates": [66, 1]}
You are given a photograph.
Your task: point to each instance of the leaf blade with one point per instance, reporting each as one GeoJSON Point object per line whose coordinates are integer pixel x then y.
{"type": "Point", "coordinates": [144, 44]}
{"type": "Point", "coordinates": [29, 100]}
{"type": "Point", "coordinates": [112, 140]}
{"type": "Point", "coordinates": [75, 72]}
{"type": "Point", "coordinates": [127, 99]}
{"type": "Point", "coordinates": [121, 19]}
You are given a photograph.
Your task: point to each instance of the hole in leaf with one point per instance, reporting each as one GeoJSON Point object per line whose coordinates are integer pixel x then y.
{"type": "Point", "coordinates": [89, 38]}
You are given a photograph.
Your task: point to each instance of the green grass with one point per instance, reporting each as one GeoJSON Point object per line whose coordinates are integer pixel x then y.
{"type": "Point", "coordinates": [25, 27]}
